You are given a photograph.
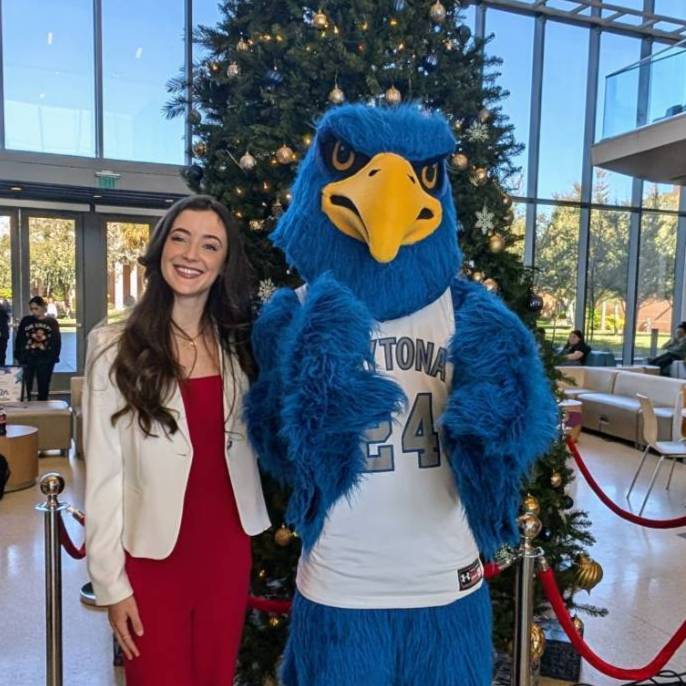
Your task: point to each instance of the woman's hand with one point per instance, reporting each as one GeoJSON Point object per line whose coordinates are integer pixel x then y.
{"type": "Point", "coordinates": [120, 615]}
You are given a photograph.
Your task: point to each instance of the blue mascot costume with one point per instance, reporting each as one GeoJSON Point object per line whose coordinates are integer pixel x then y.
{"type": "Point", "coordinates": [402, 404]}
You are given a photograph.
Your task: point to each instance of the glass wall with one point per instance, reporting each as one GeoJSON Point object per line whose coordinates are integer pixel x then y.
{"type": "Point", "coordinates": [557, 257]}
{"type": "Point", "coordinates": [52, 254]}
{"type": "Point", "coordinates": [606, 281]}
{"type": "Point", "coordinates": [137, 63]}
{"type": "Point", "coordinates": [5, 283]}
{"type": "Point", "coordinates": [655, 299]}
{"type": "Point", "coordinates": [49, 76]}
{"type": "Point", "coordinates": [126, 241]}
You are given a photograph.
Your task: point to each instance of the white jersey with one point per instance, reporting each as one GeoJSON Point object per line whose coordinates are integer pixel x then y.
{"type": "Point", "coordinates": [401, 538]}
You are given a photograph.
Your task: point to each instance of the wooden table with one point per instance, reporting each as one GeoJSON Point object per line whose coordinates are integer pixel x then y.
{"type": "Point", "coordinates": [20, 448]}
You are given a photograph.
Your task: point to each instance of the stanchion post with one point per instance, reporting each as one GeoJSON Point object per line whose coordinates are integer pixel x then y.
{"type": "Point", "coordinates": [530, 526]}
{"type": "Point", "coordinates": [51, 485]}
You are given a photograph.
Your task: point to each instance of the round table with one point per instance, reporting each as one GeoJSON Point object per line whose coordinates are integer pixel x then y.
{"type": "Point", "coordinates": [20, 448]}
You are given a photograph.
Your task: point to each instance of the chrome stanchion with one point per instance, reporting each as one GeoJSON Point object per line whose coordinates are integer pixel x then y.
{"type": "Point", "coordinates": [51, 485]}
{"type": "Point", "coordinates": [530, 526]}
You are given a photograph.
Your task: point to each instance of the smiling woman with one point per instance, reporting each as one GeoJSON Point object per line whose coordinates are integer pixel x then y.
{"type": "Point", "coordinates": [177, 506]}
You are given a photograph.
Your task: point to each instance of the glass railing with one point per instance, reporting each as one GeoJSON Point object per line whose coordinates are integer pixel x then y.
{"type": "Point", "coordinates": [661, 77]}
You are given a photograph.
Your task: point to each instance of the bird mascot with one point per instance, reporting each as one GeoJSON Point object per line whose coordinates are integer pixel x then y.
{"type": "Point", "coordinates": [402, 404]}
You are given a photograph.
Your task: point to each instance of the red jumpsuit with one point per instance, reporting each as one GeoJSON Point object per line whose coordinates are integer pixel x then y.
{"type": "Point", "coordinates": [192, 604]}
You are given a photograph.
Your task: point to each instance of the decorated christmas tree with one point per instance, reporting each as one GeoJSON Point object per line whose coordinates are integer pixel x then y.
{"type": "Point", "coordinates": [272, 68]}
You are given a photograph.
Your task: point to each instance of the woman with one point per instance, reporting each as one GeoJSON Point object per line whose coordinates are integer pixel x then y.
{"type": "Point", "coordinates": [576, 351]}
{"type": "Point", "coordinates": [172, 486]}
{"type": "Point", "coordinates": [37, 347]}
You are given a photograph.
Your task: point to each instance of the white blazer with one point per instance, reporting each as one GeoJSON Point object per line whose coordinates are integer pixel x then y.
{"type": "Point", "coordinates": [135, 484]}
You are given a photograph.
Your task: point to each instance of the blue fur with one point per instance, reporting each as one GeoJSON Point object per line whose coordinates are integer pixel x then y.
{"type": "Point", "coordinates": [331, 397]}
{"type": "Point", "coordinates": [448, 645]}
{"type": "Point", "coordinates": [421, 272]}
{"type": "Point", "coordinates": [501, 414]}
{"type": "Point", "coordinates": [262, 404]}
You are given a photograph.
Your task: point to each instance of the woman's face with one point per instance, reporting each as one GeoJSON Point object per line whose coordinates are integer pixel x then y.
{"type": "Point", "coordinates": [36, 310]}
{"type": "Point", "coordinates": [194, 253]}
{"type": "Point", "coordinates": [573, 339]}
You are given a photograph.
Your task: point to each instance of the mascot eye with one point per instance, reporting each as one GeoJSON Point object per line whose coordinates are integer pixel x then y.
{"type": "Point", "coordinates": [342, 156]}
{"type": "Point", "coordinates": [428, 175]}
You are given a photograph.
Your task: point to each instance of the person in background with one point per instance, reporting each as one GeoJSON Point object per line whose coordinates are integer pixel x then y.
{"type": "Point", "coordinates": [52, 308]}
{"type": "Point", "coordinates": [674, 350]}
{"type": "Point", "coordinates": [4, 329]}
{"type": "Point", "coordinates": [37, 347]}
{"type": "Point", "coordinates": [576, 351]}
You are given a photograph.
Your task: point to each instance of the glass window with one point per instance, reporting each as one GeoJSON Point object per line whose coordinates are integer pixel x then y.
{"type": "Point", "coordinates": [468, 16]}
{"type": "Point", "coordinates": [557, 253]}
{"type": "Point", "coordinates": [563, 108]}
{"type": "Point", "coordinates": [52, 252]}
{"type": "Point", "coordinates": [125, 242]}
{"type": "Point", "coordinates": [5, 284]}
{"type": "Point", "coordinates": [655, 300]}
{"type": "Point", "coordinates": [142, 49]}
{"type": "Point", "coordinates": [515, 77]}
{"type": "Point", "coordinates": [616, 52]}
{"type": "Point", "coordinates": [676, 9]}
{"type": "Point", "coordinates": [205, 13]}
{"type": "Point", "coordinates": [518, 230]}
{"type": "Point", "coordinates": [48, 76]}
{"type": "Point", "coordinates": [661, 196]}
{"type": "Point", "coordinates": [608, 264]}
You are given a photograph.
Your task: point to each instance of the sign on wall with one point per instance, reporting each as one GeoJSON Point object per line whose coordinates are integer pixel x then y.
{"type": "Point", "coordinates": [10, 384]}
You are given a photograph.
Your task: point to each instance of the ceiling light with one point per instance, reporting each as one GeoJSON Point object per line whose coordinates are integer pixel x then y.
{"type": "Point", "coordinates": [16, 188]}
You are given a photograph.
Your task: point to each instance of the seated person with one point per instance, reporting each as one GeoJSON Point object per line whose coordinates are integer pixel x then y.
{"type": "Point", "coordinates": [675, 349]}
{"type": "Point", "coordinates": [576, 351]}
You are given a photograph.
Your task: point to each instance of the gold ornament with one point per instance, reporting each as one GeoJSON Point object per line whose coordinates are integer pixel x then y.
{"type": "Point", "coordinates": [199, 149]}
{"type": "Point", "coordinates": [262, 574]}
{"type": "Point", "coordinates": [588, 574]}
{"type": "Point", "coordinates": [530, 525]}
{"type": "Point", "coordinates": [393, 96]}
{"type": "Point", "coordinates": [537, 642]}
{"type": "Point", "coordinates": [479, 176]}
{"type": "Point", "coordinates": [496, 242]}
{"type": "Point", "coordinates": [556, 480]}
{"type": "Point", "coordinates": [460, 161]}
{"type": "Point", "coordinates": [437, 12]}
{"type": "Point", "coordinates": [491, 285]}
{"type": "Point", "coordinates": [336, 95]}
{"type": "Point", "coordinates": [284, 155]}
{"type": "Point", "coordinates": [484, 115]}
{"type": "Point", "coordinates": [247, 162]}
{"type": "Point", "coordinates": [256, 225]}
{"type": "Point", "coordinates": [478, 276]}
{"type": "Point", "coordinates": [233, 70]}
{"type": "Point", "coordinates": [283, 536]}
{"type": "Point", "coordinates": [242, 45]}
{"type": "Point", "coordinates": [274, 622]}
{"type": "Point", "coordinates": [531, 504]}
{"type": "Point", "coordinates": [459, 125]}
{"type": "Point", "coordinates": [578, 624]}
{"type": "Point", "coordinates": [320, 21]}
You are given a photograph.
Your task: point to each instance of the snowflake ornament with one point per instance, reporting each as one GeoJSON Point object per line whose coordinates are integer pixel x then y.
{"type": "Point", "coordinates": [485, 220]}
{"type": "Point", "coordinates": [265, 290]}
{"type": "Point", "coordinates": [477, 132]}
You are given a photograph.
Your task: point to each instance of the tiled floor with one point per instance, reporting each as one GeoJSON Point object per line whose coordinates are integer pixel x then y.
{"type": "Point", "coordinates": [644, 585]}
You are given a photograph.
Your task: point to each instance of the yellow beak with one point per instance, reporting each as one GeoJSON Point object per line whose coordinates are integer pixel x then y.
{"type": "Point", "coordinates": [383, 205]}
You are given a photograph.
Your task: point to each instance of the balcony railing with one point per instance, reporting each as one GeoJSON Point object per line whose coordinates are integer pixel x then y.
{"type": "Point", "coordinates": [662, 77]}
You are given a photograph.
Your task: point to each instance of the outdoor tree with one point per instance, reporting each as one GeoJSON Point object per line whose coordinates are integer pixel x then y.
{"type": "Point", "coordinates": [5, 259]}
{"type": "Point", "coordinates": [271, 68]}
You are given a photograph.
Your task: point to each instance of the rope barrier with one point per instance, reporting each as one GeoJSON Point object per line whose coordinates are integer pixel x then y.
{"type": "Point", "coordinates": [69, 546]}
{"type": "Point", "coordinates": [624, 514]}
{"type": "Point", "coordinates": [552, 592]}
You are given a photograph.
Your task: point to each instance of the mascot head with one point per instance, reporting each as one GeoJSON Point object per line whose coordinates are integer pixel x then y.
{"type": "Point", "coordinates": [372, 204]}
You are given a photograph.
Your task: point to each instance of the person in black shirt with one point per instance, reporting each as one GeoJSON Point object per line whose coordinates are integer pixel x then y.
{"type": "Point", "coordinates": [37, 347]}
{"type": "Point", "coordinates": [576, 351]}
{"type": "Point", "coordinates": [4, 330]}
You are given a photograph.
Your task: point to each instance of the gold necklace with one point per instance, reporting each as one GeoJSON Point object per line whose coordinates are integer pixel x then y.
{"type": "Point", "coordinates": [189, 340]}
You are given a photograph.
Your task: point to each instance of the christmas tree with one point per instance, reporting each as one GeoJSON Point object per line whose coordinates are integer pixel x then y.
{"type": "Point", "coordinates": [273, 67]}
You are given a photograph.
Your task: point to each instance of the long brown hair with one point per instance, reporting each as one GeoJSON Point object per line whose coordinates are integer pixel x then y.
{"type": "Point", "coordinates": [145, 369]}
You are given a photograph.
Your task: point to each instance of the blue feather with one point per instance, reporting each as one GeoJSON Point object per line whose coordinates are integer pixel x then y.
{"type": "Point", "coordinates": [501, 414]}
{"type": "Point", "coordinates": [421, 272]}
{"type": "Point", "coordinates": [331, 397]}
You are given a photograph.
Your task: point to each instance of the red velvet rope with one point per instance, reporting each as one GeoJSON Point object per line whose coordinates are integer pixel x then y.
{"type": "Point", "coordinates": [276, 607]}
{"type": "Point", "coordinates": [552, 592]}
{"type": "Point", "coordinates": [491, 570]}
{"type": "Point", "coordinates": [624, 514]}
{"type": "Point", "coordinates": [69, 545]}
